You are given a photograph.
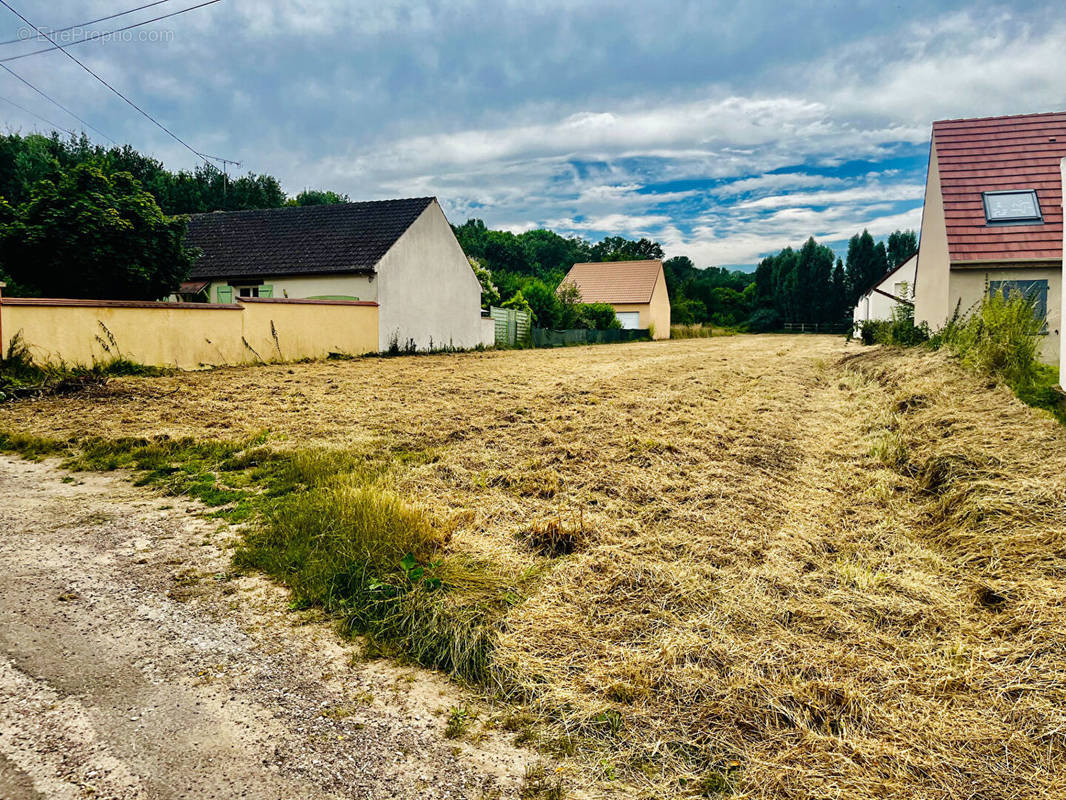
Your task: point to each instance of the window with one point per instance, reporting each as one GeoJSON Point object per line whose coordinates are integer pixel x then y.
{"type": "Point", "coordinates": [261, 290]}
{"type": "Point", "coordinates": [1011, 208]}
{"type": "Point", "coordinates": [1035, 290]}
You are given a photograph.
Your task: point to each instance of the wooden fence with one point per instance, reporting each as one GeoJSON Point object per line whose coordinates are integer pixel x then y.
{"type": "Point", "coordinates": [817, 327]}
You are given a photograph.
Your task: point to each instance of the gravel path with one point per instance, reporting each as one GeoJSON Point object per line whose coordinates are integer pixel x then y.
{"type": "Point", "coordinates": [133, 665]}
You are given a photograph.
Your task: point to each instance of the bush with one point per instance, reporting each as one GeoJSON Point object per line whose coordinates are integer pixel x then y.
{"type": "Point", "coordinates": [598, 316]}
{"type": "Point", "coordinates": [764, 320]}
{"type": "Point", "coordinates": [899, 331]}
{"type": "Point", "coordinates": [1001, 337]}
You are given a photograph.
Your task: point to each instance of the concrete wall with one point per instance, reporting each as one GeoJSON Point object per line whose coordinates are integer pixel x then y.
{"type": "Point", "coordinates": [488, 331]}
{"type": "Point", "coordinates": [656, 313]}
{"type": "Point", "coordinates": [931, 302]}
{"type": "Point", "coordinates": [187, 335]}
{"type": "Point", "coordinates": [659, 309]}
{"type": "Point", "coordinates": [967, 287]}
{"type": "Point", "coordinates": [332, 287]}
{"type": "Point", "coordinates": [427, 291]}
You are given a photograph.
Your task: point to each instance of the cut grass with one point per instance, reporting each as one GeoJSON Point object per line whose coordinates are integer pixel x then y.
{"type": "Point", "coordinates": [808, 577]}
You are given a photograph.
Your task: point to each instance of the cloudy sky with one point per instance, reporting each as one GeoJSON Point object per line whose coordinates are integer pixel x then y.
{"type": "Point", "coordinates": [723, 130]}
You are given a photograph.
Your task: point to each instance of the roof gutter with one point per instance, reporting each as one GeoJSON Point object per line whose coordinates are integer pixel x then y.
{"type": "Point", "coordinates": [1005, 262]}
{"type": "Point", "coordinates": [261, 276]}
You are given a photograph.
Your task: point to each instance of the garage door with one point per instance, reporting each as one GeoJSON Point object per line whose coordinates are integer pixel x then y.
{"type": "Point", "coordinates": [630, 319]}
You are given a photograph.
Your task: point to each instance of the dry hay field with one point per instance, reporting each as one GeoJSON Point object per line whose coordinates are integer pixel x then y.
{"type": "Point", "coordinates": [798, 568]}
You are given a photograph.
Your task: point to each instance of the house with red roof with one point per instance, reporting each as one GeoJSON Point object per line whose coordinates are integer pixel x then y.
{"type": "Point", "coordinates": [993, 217]}
{"type": "Point", "coordinates": [636, 289]}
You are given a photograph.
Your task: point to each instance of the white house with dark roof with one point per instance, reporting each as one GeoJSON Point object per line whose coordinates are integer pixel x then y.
{"type": "Point", "coordinates": [401, 254]}
{"type": "Point", "coordinates": [892, 291]}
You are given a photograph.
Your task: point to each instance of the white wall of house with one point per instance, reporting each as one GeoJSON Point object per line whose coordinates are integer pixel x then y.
{"type": "Point", "coordinates": [426, 289]}
{"type": "Point", "coordinates": [931, 303]}
{"type": "Point", "coordinates": [877, 305]}
{"type": "Point", "coordinates": [303, 287]}
{"type": "Point", "coordinates": [1062, 284]}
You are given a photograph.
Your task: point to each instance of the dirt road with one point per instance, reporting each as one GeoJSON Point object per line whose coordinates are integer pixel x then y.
{"type": "Point", "coordinates": [133, 665]}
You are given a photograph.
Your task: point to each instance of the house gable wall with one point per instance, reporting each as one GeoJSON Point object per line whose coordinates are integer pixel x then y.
{"type": "Point", "coordinates": [659, 308]}
{"type": "Point", "coordinates": [931, 302]}
{"type": "Point", "coordinates": [426, 289]}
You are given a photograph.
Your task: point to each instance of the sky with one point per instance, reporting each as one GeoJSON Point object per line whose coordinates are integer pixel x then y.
{"type": "Point", "coordinates": [725, 131]}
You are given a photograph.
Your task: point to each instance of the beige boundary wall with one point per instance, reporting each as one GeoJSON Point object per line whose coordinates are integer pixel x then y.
{"type": "Point", "coordinates": [188, 335]}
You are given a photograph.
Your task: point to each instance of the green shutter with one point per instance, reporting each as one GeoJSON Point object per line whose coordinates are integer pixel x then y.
{"type": "Point", "coordinates": [266, 291]}
{"type": "Point", "coordinates": [224, 294]}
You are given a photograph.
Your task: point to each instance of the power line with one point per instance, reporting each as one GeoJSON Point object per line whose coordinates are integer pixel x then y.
{"type": "Point", "coordinates": [55, 102]}
{"type": "Point", "coordinates": [94, 21]}
{"type": "Point", "coordinates": [95, 36]}
{"type": "Point", "coordinates": [125, 99]}
{"type": "Point", "coordinates": [42, 119]}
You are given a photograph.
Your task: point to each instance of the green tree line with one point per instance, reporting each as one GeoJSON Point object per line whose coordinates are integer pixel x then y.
{"type": "Point", "coordinates": [806, 285]}
{"type": "Point", "coordinates": [81, 220]}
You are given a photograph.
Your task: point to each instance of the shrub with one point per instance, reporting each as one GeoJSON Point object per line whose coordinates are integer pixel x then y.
{"type": "Point", "coordinates": [691, 331]}
{"type": "Point", "coordinates": [1000, 336]}
{"type": "Point", "coordinates": [764, 320]}
{"type": "Point", "coordinates": [899, 331]}
{"type": "Point", "coordinates": [598, 316]}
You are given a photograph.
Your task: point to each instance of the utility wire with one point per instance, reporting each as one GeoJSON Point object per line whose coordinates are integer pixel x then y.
{"type": "Point", "coordinates": [42, 119]}
{"type": "Point", "coordinates": [55, 102]}
{"type": "Point", "coordinates": [94, 21]}
{"type": "Point", "coordinates": [101, 35]}
{"type": "Point", "coordinates": [129, 102]}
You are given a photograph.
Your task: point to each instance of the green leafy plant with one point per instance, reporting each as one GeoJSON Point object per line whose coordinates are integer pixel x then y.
{"type": "Point", "coordinates": [459, 719]}
{"type": "Point", "coordinates": [1000, 336]}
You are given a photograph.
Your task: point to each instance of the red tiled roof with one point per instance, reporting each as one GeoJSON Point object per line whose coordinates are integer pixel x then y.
{"type": "Point", "coordinates": [616, 281]}
{"type": "Point", "coordinates": [994, 154]}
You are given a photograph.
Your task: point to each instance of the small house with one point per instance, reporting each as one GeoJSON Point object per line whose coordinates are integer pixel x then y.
{"type": "Point", "coordinates": [893, 290]}
{"type": "Point", "coordinates": [992, 219]}
{"type": "Point", "coordinates": [401, 254]}
{"type": "Point", "coordinates": [636, 290]}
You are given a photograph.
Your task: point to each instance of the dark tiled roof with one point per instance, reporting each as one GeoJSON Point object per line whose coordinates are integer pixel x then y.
{"type": "Point", "coordinates": [616, 281]}
{"type": "Point", "coordinates": [995, 154]}
{"type": "Point", "coordinates": [307, 240]}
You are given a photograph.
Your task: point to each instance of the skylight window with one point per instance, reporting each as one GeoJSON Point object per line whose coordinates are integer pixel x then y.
{"type": "Point", "coordinates": [1012, 207]}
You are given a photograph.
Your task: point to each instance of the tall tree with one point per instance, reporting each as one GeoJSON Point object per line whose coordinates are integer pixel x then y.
{"type": "Point", "coordinates": [86, 234]}
{"type": "Point", "coordinates": [901, 246]}
{"type": "Point", "coordinates": [867, 263]}
{"type": "Point", "coordinates": [618, 248]}
{"type": "Point", "coordinates": [317, 197]}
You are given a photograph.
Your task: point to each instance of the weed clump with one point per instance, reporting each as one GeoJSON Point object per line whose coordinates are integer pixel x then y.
{"type": "Point", "coordinates": [21, 376]}
{"type": "Point", "coordinates": [1000, 337]}
{"type": "Point", "coordinates": [553, 537]}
